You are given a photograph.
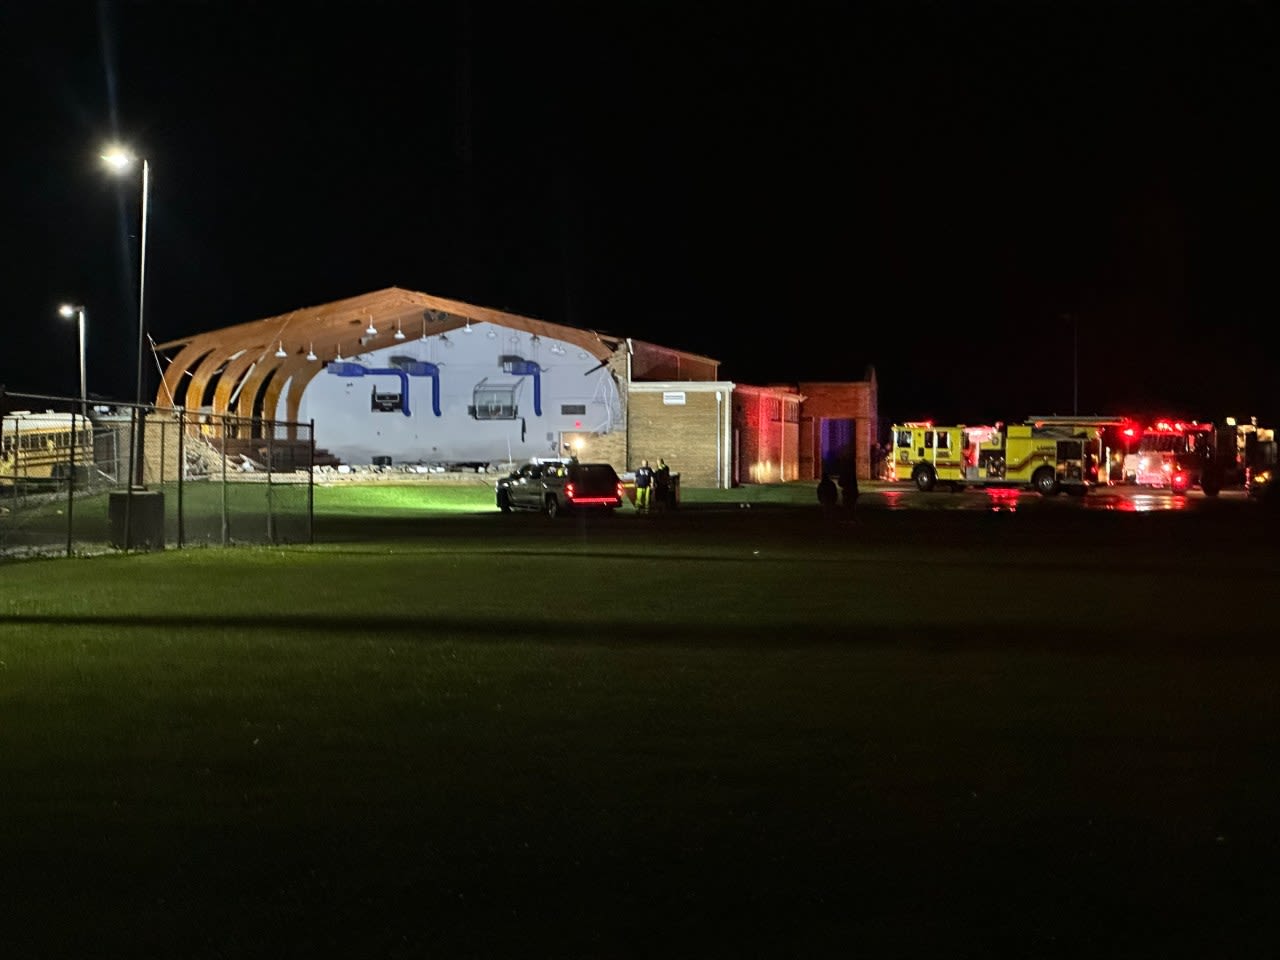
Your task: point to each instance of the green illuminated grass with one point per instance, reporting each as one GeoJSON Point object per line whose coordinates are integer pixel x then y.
{"type": "Point", "coordinates": [719, 733]}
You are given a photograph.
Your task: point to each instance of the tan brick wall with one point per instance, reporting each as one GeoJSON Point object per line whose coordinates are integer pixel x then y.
{"type": "Point", "coordinates": [685, 436]}
{"type": "Point", "coordinates": [160, 448]}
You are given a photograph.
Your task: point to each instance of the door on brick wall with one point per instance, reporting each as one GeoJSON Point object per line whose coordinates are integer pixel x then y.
{"type": "Point", "coordinates": [837, 445]}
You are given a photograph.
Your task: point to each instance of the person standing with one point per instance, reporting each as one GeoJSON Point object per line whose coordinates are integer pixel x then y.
{"type": "Point", "coordinates": [849, 490]}
{"type": "Point", "coordinates": [828, 495]}
{"type": "Point", "coordinates": [644, 481]}
{"type": "Point", "coordinates": [662, 485]}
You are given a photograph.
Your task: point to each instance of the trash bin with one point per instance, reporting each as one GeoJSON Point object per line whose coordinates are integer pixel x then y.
{"type": "Point", "coordinates": [674, 493]}
{"type": "Point", "coordinates": [146, 519]}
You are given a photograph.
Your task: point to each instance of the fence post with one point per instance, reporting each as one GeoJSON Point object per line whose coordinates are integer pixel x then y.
{"type": "Point", "coordinates": [224, 481]}
{"type": "Point", "coordinates": [271, 517]}
{"type": "Point", "coordinates": [71, 480]}
{"type": "Point", "coordinates": [311, 487]}
{"type": "Point", "coordinates": [182, 471]}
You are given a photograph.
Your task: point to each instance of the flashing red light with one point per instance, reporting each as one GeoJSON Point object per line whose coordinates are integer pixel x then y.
{"type": "Point", "coordinates": [1179, 481]}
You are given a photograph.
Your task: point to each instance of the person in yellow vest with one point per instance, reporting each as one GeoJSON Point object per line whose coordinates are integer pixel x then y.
{"type": "Point", "coordinates": [644, 482]}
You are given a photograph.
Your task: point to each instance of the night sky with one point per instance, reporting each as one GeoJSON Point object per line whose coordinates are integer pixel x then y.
{"type": "Point", "coordinates": [967, 196]}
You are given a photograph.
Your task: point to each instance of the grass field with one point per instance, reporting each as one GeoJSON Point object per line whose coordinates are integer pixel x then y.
{"type": "Point", "coordinates": [722, 732]}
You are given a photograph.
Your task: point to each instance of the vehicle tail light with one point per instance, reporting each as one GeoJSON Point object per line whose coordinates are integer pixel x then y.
{"type": "Point", "coordinates": [568, 490]}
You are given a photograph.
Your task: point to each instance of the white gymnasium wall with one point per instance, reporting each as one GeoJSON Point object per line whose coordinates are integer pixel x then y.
{"type": "Point", "coordinates": [346, 425]}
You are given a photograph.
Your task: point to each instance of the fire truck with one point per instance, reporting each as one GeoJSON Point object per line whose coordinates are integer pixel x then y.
{"type": "Point", "coordinates": [1182, 454]}
{"type": "Point", "coordinates": [1048, 458]}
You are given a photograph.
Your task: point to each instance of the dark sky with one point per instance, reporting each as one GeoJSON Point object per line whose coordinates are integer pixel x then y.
{"type": "Point", "coordinates": [969, 196]}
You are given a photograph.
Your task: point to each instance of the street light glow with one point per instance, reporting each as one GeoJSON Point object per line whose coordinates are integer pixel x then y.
{"type": "Point", "coordinates": [67, 310]}
{"type": "Point", "coordinates": [118, 158]}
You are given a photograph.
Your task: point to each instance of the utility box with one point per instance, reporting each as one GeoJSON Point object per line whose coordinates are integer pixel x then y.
{"type": "Point", "coordinates": [146, 519]}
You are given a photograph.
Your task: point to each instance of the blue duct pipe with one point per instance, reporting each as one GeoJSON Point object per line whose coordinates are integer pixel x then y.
{"type": "Point", "coordinates": [530, 368]}
{"type": "Point", "coordinates": [417, 368]}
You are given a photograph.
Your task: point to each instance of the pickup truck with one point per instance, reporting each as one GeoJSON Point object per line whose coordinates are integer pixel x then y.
{"type": "Point", "coordinates": [560, 486]}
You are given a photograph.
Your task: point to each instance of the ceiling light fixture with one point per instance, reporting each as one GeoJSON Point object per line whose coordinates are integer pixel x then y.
{"type": "Point", "coordinates": [399, 332]}
{"type": "Point", "coordinates": [423, 338]}
{"type": "Point", "coordinates": [492, 335]}
{"type": "Point", "coordinates": [280, 352]}
{"type": "Point", "coordinates": [371, 330]}
{"type": "Point", "coordinates": [311, 352]}
{"type": "Point", "coordinates": [467, 328]}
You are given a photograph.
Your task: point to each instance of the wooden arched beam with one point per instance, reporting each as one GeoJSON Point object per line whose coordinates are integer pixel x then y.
{"type": "Point", "coordinates": [293, 401]}
{"type": "Point", "coordinates": [189, 356]}
{"type": "Point", "coordinates": [249, 388]}
{"type": "Point", "coordinates": [231, 377]}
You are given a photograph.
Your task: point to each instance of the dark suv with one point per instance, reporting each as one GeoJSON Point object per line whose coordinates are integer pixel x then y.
{"type": "Point", "coordinates": [560, 486]}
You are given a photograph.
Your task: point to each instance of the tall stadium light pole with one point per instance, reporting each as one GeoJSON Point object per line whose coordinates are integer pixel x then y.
{"type": "Point", "coordinates": [1075, 367]}
{"type": "Point", "coordinates": [71, 310]}
{"type": "Point", "coordinates": [120, 159]}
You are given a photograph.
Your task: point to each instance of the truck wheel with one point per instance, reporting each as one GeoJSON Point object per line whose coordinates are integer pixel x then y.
{"type": "Point", "coordinates": [925, 478]}
{"type": "Point", "coordinates": [553, 507]}
{"type": "Point", "coordinates": [1045, 480]}
{"type": "Point", "coordinates": [1210, 486]}
{"type": "Point", "coordinates": [504, 501]}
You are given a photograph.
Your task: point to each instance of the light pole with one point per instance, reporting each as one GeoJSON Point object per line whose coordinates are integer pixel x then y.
{"type": "Point", "coordinates": [69, 310]}
{"type": "Point", "coordinates": [120, 159]}
{"type": "Point", "coordinates": [1075, 367]}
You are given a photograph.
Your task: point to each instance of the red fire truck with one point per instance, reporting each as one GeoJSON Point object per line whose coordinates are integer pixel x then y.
{"type": "Point", "coordinates": [1182, 454]}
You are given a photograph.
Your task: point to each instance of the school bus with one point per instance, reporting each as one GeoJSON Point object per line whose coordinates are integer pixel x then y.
{"type": "Point", "coordinates": [43, 448]}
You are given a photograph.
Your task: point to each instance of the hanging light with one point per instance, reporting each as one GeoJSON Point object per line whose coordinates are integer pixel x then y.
{"type": "Point", "coordinates": [371, 330]}
{"type": "Point", "coordinates": [423, 338]}
{"type": "Point", "coordinates": [467, 328]}
{"type": "Point", "coordinates": [339, 348]}
{"type": "Point", "coordinates": [399, 332]}
{"type": "Point", "coordinates": [492, 334]}
{"type": "Point", "coordinates": [280, 352]}
{"type": "Point", "coordinates": [311, 352]}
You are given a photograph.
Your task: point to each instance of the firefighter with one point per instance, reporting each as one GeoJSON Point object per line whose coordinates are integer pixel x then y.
{"type": "Point", "coordinates": [644, 480]}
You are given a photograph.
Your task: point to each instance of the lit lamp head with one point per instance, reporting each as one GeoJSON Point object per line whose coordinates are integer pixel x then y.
{"type": "Point", "coordinates": [117, 158]}
{"type": "Point", "coordinates": [69, 311]}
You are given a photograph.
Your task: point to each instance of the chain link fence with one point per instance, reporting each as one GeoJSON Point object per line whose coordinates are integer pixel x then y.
{"type": "Point", "coordinates": [198, 478]}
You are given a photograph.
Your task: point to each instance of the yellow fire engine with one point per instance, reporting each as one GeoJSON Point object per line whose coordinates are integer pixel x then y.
{"type": "Point", "coordinates": [1049, 459]}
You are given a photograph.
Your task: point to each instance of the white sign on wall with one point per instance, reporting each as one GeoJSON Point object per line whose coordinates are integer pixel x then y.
{"type": "Point", "coordinates": [673, 398]}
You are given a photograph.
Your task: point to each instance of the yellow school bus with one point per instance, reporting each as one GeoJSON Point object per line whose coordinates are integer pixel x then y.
{"type": "Point", "coordinates": [38, 448]}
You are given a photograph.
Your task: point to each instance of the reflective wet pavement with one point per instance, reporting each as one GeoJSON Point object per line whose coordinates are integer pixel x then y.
{"type": "Point", "coordinates": [1125, 499]}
